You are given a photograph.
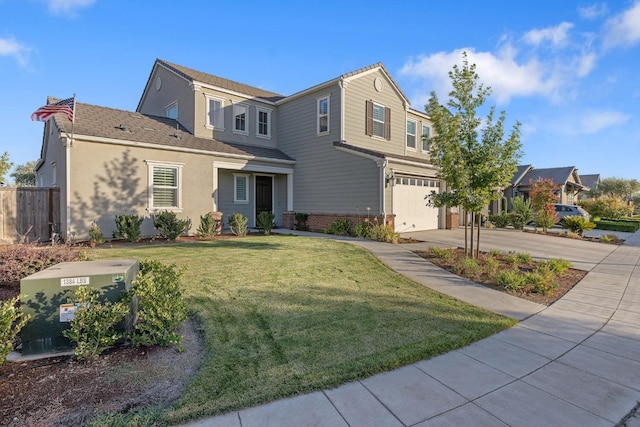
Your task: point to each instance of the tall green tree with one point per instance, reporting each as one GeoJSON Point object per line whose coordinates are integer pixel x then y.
{"type": "Point", "coordinates": [5, 166]}
{"type": "Point", "coordinates": [475, 160]}
{"type": "Point", "coordinates": [25, 175]}
{"type": "Point", "coordinates": [617, 187]}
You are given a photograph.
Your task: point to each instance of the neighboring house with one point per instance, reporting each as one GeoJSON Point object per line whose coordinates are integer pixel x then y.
{"type": "Point", "coordinates": [350, 147]}
{"type": "Point", "coordinates": [566, 178]}
{"type": "Point", "coordinates": [591, 182]}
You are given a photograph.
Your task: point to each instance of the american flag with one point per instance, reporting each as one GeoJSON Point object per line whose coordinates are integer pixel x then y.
{"type": "Point", "coordinates": [65, 107]}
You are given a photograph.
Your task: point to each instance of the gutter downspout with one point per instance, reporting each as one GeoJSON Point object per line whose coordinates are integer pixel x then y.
{"type": "Point", "coordinates": [382, 164]}
{"type": "Point", "coordinates": [67, 185]}
{"type": "Point", "coordinates": [342, 84]}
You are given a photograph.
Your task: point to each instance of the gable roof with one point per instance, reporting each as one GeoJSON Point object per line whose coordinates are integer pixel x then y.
{"type": "Point", "coordinates": [520, 173]}
{"type": "Point", "coordinates": [162, 132]}
{"type": "Point", "coordinates": [557, 175]}
{"type": "Point", "coordinates": [590, 180]}
{"type": "Point", "coordinates": [377, 154]}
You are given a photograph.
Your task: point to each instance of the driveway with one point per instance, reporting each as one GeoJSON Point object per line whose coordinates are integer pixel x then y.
{"type": "Point", "coordinates": [583, 255]}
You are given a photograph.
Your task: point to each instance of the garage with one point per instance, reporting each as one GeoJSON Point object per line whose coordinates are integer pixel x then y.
{"type": "Point", "coordinates": [410, 206]}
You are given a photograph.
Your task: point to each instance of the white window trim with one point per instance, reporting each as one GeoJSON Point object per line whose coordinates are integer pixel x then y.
{"type": "Point", "coordinates": [373, 117]}
{"type": "Point", "coordinates": [422, 137]}
{"type": "Point", "coordinates": [208, 99]}
{"type": "Point", "coordinates": [263, 110]}
{"type": "Point", "coordinates": [150, 165]}
{"type": "Point", "coordinates": [319, 116]}
{"type": "Point", "coordinates": [246, 121]}
{"type": "Point", "coordinates": [170, 107]}
{"type": "Point", "coordinates": [235, 188]}
{"type": "Point", "coordinates": [415, 135]}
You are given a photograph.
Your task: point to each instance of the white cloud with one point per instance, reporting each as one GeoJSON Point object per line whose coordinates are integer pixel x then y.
{"type": "Point", "coordinates": [557, 35]}
{"type": "Point", "coordinates": [67, 7]}
{"type": "Point", "coordinates": [592, 12]}
{"type": "Point", "coordinates": [10, 47]}
{"type": "Point", "coordinates": [624, 28]}
{"type": "Point", "coordinates": [594, 122]}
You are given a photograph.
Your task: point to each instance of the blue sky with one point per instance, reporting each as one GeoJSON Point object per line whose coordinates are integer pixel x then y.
{"type": "Point", "coordinates": [568, 70]}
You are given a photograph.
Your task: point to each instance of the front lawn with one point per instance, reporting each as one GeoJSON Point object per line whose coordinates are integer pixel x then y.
{"type": "Point", "coordinates": [282, 315]}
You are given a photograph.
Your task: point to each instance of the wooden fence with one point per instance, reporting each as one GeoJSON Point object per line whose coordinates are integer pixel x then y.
{"type": "Point", "coordinates": [28, 214]}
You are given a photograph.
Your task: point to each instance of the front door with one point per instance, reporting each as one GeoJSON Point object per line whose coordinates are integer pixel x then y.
{"type": "Point", "coordinates": [264, 194]}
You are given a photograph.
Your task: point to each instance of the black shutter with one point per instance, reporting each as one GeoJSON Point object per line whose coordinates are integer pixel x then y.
{"type": "Point", "coordinates": [369, 118]}
{"type": "Point", "coordinates": [387, 123]}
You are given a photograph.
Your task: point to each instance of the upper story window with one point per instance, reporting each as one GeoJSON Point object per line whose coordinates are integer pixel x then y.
{"type": "Point", "coordinates": [411, 134]}
{"type": "Point", "coordinates": [165, 185]}
{"type": "Point", "coordinates": [323, 115]}
{"type": "Point", "coordinates": [240, 118]}
{"type": "Point", "coordinates": [215, 113]}
{"type": "Point", "coordinates": [54, 174]}
{"type": "Point", "coordinates": [378, 120]}
{"type": "Point", "coordinates": [263, 124]}
{"type": "Point", "coordinates": [426, 134]}
{"type": "Point", "coordinates": [172, 110]}
{"type": "Point", "coordinates": [240, 188]}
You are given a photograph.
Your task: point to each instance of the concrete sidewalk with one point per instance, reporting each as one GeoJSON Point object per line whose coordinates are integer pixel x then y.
{"type": "Point", "coordinates": [576, 363]}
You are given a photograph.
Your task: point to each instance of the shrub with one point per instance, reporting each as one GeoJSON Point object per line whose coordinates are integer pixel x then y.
{"type": "Point", "coordinates": [501, 220]}
{"type": "Point", "coordinates": [301, 221]}
{"type": "Point", "coordinates": [494, 253]}
{"type": "Point", "coordinates": [93, 327]}
{"type": "Point", "coordinates": [510, 279]}
{"type": "Point", "coordinates": [19, 261]}
{"type": "Point", "coordinates": [546, 218]}
{"type": "Point", "coordinates": [161, 307]}
{"type": "Point", "coordinates": [128, 227]}
{"type": "Point", "coordinates": [340, 227]}
{"type": "Point", "coordinates": [208, 225]}
{"type": "Point", "coordinates": [364, 229]}
{"type": "Point", "coordinates": [545, 287]}
{"type": "Point", "coordinates": [557, 265]}
{"type": "Point", "coordinates": [524, 258]}
{"type": "Point", "coordinates": [384, 233]}
{"type": "Point", "coordinates": [169, 226]}
{"type": "Point", "coordinates": [511, 258]}
{"type": "Point", "coordinates": [607, 207]}
{"type": "Point", "coordinates": [467, 267]}
{"type": "Point", "coordinates": [443, 253]}
{"type": "Point", "coordinates": [266, 222]}
{"type": "Point", "coordinates": [609, 238]}
{"type": "Point", "coordinates": [238, 224]}
{"type": "Point", "coordinates": [11, 322]}
{"type": "Point", "coordinates": [95, 233]}
{"type": "Point", "coordinates": [625, 226]}
{"type": "Point", "coordinates": [522, 212]}
{"type": "Point", "coordinates": [577, 224]}
{"type": "Point", "coordinates": [491, 265]}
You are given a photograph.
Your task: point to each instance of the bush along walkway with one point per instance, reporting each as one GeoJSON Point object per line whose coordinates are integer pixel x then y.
{"type": "Point", "coordinates": [574, 363]}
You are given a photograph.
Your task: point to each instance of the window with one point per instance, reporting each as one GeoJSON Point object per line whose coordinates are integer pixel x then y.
{"type": "Point", "coordinates": [426, 134]}
{"type": "Point", "coordinates": [165, 182]}
{"type": "Point", "coordinates": [378, 120]}
{"type": "Point", "coordinates": [411, 134]}
{"type": "Point", "coordinates": [172, 110]}
{"type": "Point", "coordinates": [215, 113]}
{"type": "Point", "coordinates": [54, 174]}
{"type": "Point", "coordinates": [240, 188]}
{"type": "Point", "coordinates": [323, 115]}
{"type": "Point", "coordinates": [240, 118]}
{"type": "Point", "coordinates": [263, 122]}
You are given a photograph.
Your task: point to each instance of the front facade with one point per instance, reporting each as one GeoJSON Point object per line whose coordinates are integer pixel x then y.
{"type": "Point", "coordinates": [348, 148]}
{"type": "Point", "coordinates": [567, 180]}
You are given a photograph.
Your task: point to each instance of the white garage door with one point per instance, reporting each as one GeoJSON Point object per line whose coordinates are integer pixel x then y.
{"type": "Point", "coordinates": [410, 205]}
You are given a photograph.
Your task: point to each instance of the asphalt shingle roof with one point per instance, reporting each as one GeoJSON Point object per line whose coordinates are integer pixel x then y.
{"type": "Point", "coordinates": [557, 175]}
{"type": "Point", "coordinates": [92, 120]}
{"type": "Point", "coordinates": [590, 181]}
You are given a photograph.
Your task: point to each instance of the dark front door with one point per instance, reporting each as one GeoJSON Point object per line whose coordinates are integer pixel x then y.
{"type": "Point", "coordinates": [264, 194]}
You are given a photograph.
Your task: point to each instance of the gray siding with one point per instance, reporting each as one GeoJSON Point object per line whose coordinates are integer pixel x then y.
{"type": "Point", "coordinates": [325, 180]}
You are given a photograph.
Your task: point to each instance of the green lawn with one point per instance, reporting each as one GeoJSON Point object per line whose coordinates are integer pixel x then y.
{"type": "Point", "coordinates": [283, 315]}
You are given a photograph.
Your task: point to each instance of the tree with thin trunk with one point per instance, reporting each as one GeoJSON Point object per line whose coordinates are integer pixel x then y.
{"type": "Point", "coordinates": [5, 166]}
{"type": "Point", "coordinates": [24, 175]}
{"type": "Point", "coordinates": [475, 160]}
{"type": "Point", "coordinates": [542, 194]}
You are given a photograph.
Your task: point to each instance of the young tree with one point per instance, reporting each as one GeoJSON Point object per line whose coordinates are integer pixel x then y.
{"type": "Point", "coordinates": [5, 166]}
{"type": "Point", "coordinates": [24, 175]}
{"type": "Point", "coordinates": [618, 187]}
{"type": "Point", "coordinates": [542, 194]}
{"type": "Point", "coordinates": [474, 159]}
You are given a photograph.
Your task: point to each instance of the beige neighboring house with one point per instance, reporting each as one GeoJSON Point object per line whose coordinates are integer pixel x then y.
{"type": "Point", "coordinates": [566, 178]}
{"type": "Point", "coordinates": [350, 147]}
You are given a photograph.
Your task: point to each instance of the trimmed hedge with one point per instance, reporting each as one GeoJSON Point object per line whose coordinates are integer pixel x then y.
{"type": "Point", "coordinates": [626, 226]}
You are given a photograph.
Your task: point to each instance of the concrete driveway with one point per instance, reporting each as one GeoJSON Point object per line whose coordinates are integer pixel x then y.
{"type": "Point", "coordinates": [583, 255]}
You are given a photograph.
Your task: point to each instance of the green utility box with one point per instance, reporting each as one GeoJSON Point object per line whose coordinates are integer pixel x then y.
{"type": "Point", "coordinates": [46, 293]}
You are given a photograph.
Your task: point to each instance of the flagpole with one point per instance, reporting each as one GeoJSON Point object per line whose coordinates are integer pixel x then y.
{"type": "Point", "coordinates": [73, 118]}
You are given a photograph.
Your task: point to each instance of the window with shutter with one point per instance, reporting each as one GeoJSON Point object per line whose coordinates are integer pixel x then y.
{"type": "Point", "coordinates": [378, 120]}
{"type": "Point", "coordinates": [165, 182]}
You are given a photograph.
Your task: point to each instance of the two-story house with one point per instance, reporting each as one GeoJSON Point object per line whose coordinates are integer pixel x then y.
{"type": "Point", "coordinates": [351, 147]}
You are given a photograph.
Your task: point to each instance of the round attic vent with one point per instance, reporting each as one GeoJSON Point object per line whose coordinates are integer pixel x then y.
{"type": "Point", "coordinates": [378, 84]}
{"type": "Point", "coordinates": [158, 83]}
